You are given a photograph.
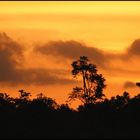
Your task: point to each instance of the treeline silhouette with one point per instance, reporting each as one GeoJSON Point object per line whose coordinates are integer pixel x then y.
{"type": "Point", "coordinates": [96, 117]}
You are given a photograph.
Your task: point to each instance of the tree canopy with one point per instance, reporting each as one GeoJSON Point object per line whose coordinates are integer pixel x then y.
{"type": "Point", "coordinates": [93, 83]}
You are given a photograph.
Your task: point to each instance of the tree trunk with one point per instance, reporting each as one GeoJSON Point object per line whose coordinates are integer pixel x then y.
{"type": "Point", "coordinates": [85, 88]}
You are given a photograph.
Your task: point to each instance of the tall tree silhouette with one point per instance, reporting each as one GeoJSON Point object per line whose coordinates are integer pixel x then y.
{"type": "Point", "coordinates": [93, 83]}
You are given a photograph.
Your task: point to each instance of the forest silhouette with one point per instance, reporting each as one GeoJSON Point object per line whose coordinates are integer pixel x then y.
{"type": "Point", "coordinates": [96, 117]}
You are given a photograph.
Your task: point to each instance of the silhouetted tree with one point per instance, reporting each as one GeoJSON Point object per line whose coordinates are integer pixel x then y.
{"type": "Point", "coordinates": [93, 83]}
{"type": "Point", "coordinates": [119, 101]}
{"type": "Point", "coordinates": [6, 102]}
{"type": "Point", "coordinates": [24, 94]}
{"type": "Point", "coordinates": [43, 102]}
{"type": "Point", "coordinates": [42, 117]}
{"type": "Point", "coordinates": [23, 100]}
{"type": "Point", "coordinates": [65, 108]}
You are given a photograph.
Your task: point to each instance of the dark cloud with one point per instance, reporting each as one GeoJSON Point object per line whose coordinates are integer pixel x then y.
{"type": "Point", "coordinates": [11, 71]}
{"type": "Point", "coordinates": [41, 77]}
{"type": "Point", "coordinates": [129, 84]}
{"type": "Point", "coordinates": [134, 49]}
{"type": "Point", "coordinates": [72, 50]}
{"type": "Point", "coordinates": [10, 57]}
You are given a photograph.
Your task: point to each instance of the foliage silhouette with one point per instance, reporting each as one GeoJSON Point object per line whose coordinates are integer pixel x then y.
{"type": "Point", "coordinates": [44, 103]}
{"type": "Point", "coordinates": [42, 117]}
{"type": "Point", "coordinates": [24, 95]}
{"type": "Point", "coordinates": [93, 83]}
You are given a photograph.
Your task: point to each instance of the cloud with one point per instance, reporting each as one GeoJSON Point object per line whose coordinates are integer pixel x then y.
{"type": "Point", "coordinates": [72, 50]}
{"type": "Point", "coordinates": [130, 52]}
{"type": "Point", "coordinates": [134, 49]}
{"type": "Point", "coordinates": [12, 72]}
{"type": "Point", "coordinates": [38, 76]}
{"type": "Point", "coordinates": [125, 63]}
{"type": "Point", "coordinates": [129, 84]}
{"type": "Point", "coordinates": [10, 57]}
{"type": "Point", "coordinates": [105, 60]}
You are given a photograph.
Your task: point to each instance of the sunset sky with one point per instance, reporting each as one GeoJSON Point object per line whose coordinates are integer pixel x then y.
{"type": "Point", "coordinates": [39, 41]}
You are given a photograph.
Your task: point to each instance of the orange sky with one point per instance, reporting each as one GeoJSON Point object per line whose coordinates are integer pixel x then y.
{"type": "Point", "coordinates": [112, 27]}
